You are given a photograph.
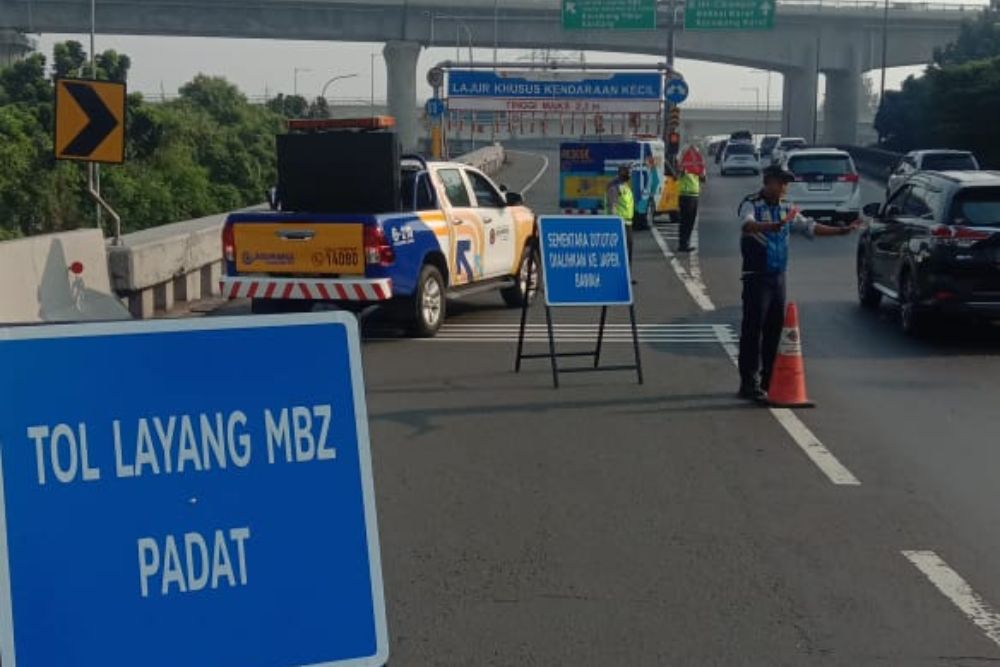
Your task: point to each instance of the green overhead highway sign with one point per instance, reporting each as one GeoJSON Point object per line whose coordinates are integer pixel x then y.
{"type": "Point", "coordinates": [609, 14]}
{"type": "Point", "coordinates": [729, 15]}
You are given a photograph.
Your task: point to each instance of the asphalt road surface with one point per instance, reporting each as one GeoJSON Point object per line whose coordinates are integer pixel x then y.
{"type": "Point", "coordinates": [607, 523]}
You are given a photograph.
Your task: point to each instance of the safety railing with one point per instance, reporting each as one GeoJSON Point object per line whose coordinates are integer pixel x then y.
{"type": "Point", "coordinates": [894, 5]}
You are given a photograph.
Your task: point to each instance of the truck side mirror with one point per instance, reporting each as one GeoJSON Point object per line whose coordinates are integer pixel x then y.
{"type": "Point", "coordinates": [514, 199]}
{"type": "Point", "coordinates": [872, 210]}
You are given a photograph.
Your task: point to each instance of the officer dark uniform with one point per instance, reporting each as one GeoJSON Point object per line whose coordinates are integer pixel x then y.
{"type": "Point", "coordinates": [767, 221]}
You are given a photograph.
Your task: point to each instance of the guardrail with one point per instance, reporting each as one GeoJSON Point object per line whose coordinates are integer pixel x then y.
{"type": "Point", "coordinates": [157, 268]}
{"type": "Point", "coordinates": [893, 5]}
{"type": "Point", "coordinates": [873, 162]}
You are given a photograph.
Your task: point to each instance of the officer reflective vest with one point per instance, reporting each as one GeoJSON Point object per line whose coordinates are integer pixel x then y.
{"type": "Point", "coordinates": [620, 201]}
{"type": "Point", "coordinates": [690, 185]}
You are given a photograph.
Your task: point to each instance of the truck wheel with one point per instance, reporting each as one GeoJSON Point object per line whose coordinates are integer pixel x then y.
{"type": "Point", "coordinates": [276, 306]}
{"type": "Point", "coordinates": [427, 307]}
{"type": "Point", "coordinates": [517, 295]}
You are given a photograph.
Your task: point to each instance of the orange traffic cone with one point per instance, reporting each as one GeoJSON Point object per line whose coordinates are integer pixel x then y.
{"type": "Point", "coordinates": [788, 378]}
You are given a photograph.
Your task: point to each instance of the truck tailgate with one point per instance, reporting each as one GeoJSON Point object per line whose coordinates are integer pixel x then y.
{"type": "Point", "coordinates": [305, 247]}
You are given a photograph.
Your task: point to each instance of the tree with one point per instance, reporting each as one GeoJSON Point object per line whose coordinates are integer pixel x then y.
{"type": "Point", "coordinates": [978, 39]}
{"type": "Point", "coordinates": [289, 106]}
{"type": "Point", "coordinates": [113, 66]}
{"type": "Point", "coordinates": [68, 60]}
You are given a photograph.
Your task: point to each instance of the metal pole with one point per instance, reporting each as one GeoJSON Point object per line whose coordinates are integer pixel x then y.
{"type": "Point", "coordinates": [334, 80]}
{"type": "Point", "coordinates": [819, 49]}
{"type": "Point", "coordinates": [496, 32]}
{"type": "Point", "coordinates": [671, 46]}
{"type": "Point", "coordinates": [767, 117]}
{"type": "Point", "coordinates": [94, 169]}
{"type": "Point", "coordinates": [885, 49]}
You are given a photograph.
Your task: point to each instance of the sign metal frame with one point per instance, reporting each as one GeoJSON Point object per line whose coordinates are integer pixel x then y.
{"type": "Point", "coordinates": [553, 355]}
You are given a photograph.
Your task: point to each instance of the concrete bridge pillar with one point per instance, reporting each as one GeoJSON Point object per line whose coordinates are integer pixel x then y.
{"type": "Point", "coordinates": [401, 65]}
{"type": "Point", "coordinates": [14, 46]}
{"type": "Point", "coordinates": [799, 102]}
{"type": "Point", "coordinates": [842, 105]}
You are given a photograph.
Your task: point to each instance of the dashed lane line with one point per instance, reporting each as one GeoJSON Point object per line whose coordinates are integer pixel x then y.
{"type": "Point", "coordinates": [799, 432]}
{"type": "Point", "coordinates": [956, 589]}
{"type": "Point", "coordinates": [694, 286]}
{"type": "Point", "coordinates": [822, 457]}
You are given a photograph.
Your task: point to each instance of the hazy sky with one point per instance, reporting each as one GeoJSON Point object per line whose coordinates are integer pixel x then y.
{"type": "Point", "coordinates": [259, 66]}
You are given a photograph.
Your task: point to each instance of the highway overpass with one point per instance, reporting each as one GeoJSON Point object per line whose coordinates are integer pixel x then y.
{"type": "Point", "coordinates": [842, 38]}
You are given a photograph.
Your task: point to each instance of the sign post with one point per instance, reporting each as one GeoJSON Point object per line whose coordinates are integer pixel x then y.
{"type": "Point", "coordinates": [90, 127]}
{"type": "Point", "coordinates": [729, 14]}
{"type": "Point", "coordinates": [188, 520]}
{"type": "Point", "coordinates": [609, 14]}
{"type": "Point", "coordinates": [584, 264]}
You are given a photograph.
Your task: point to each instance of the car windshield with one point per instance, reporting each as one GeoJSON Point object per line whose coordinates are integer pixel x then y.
{"type": "Point", "coordinates": [977, 207]}
{"type": "Point", "coordinates": [739, 149]}
{"type": "Point", "coordinates": [828, 165]}
{"type": "Point", "coordinates": [949, 162]}
{"type": "Point", "coordinates": [788, 144]}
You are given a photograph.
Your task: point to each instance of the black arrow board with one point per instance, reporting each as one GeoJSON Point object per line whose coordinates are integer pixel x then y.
{"type": "Point", "coordinates": [101, 121]}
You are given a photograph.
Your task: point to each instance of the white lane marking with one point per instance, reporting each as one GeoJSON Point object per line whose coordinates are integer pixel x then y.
{"type": "Point", "coordinates": [545, 167]}
{"type": "Point", "coordinates": [814, 449]}
{"type": "Point", "coordinates": [575, 333]}
{"type": "Point", "coordinates": [694, 287]}
{"type": "Point", "coordinates": [956, 589]}
{"type": "Point", "coordinates": [807, 441]}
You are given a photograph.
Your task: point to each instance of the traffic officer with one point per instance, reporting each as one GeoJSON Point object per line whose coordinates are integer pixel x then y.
{"type": "Point", "coordinates": [689, 188]}
{"type": "Point", "coordinates": [767, 220]}
{"type": "Point", "coordinates": [620, 200]}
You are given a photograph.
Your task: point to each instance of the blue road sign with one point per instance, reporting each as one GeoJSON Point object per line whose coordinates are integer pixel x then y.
{"type": "Point", "coordinates": [434, 108]}
{"type": "Point", "coordinates": [170, 494]}
{"type": "Point", "coordinates": [677, 91]}
{"type": "Point", "coordinates": [584, 260]}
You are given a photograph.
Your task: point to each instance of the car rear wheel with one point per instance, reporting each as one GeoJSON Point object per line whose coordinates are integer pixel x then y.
{"type": "Point", "coordinates": [517, 295]}
{"type": "Point", "coordinates": [427, 307]}
{"type": "Point", "coordinates": [911, 319]}
{"type": "Point", "coordinates": [867, 294]}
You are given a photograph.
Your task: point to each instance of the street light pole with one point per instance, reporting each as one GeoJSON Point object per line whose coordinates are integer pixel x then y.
{"type": "Point", "coordinates": [496, 32]}
{"type": "Point", "coordinates": [767, 116]}
{"type": "Point", "coordinates": [340, 77]}
{"type": "Point", "coordinates": [756, 92]}
{"type": "Point", "coordinates": [295, 79]}
{"type": "Point", "coordinates": [885, 48]}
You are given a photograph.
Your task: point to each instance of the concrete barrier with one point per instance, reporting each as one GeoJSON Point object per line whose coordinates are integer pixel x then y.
{"type": "Point", "coordinates": [488, 160]}
{"type": "Point", "coordinates": [157, 268]}
{"type": "Point", "coordinates": [57, 278]}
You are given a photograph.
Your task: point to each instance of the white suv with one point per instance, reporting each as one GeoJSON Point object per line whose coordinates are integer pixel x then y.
{"type": "Point", "coordinates": [929, 160]}
{"type": "Point", "coordinates": [826, 186]}
{"type": "Point", "coordinates": [740, 156]}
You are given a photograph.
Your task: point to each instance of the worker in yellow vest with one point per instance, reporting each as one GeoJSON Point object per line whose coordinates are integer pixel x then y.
{"type": "Point", "coordinates": [620, 200]}
{"type": "Point", "coordinates": [690, 191]}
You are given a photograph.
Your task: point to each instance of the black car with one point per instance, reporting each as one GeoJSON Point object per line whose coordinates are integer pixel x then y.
{"type": "Point", "coordinates": [934, 247]}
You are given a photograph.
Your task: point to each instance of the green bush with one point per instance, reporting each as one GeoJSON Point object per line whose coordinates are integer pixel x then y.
{"type": "Point", "coordinates": [206, 152]}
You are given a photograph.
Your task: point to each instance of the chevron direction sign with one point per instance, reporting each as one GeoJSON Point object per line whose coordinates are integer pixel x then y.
{"type": "Point", "coordinates": [90, 121]}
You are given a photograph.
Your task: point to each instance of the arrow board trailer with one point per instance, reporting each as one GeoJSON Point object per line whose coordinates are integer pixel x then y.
{"type": "Point", "coordinates": [586, 169]}
{"type": "Point", "coordinates": [170, 523]}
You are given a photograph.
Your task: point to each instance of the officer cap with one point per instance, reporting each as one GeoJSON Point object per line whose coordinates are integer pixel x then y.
{"type": "Point", "coordinates": [775, 172]}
